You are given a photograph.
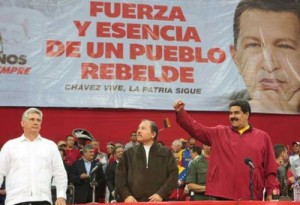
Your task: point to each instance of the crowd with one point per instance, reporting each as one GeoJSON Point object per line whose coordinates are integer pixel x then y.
{"type": "Point", "coordinates": [129, 172]}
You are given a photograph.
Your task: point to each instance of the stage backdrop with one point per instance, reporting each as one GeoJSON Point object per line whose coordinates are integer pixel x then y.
{"type": "Point", "coordinates": [136, 54]}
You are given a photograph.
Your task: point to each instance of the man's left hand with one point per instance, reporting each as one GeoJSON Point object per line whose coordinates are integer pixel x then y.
{"type": "Point", "coordinates": [155, 198]}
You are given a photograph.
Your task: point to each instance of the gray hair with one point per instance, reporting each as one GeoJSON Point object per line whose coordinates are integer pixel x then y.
{"type": "Point", "coordinates": [177, 142]}
{"type": "Point", "coordinates": [86, 148]}
{"type": "Point", "coordinates": [31, 111]}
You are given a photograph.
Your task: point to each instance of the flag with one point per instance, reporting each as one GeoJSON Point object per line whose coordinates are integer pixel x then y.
{"type": "Point", "coordinates": [167, 123]}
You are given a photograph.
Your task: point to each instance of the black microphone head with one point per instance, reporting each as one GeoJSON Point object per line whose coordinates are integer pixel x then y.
{"type": "Point", "coordinates": [247, 160]}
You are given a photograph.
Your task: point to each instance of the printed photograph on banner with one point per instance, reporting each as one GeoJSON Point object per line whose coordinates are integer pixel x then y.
{"type": "Point", "coordinates": [266, 51]}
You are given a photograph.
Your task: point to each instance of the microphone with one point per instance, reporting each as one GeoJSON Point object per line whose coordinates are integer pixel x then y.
{"type": "Point", "coordinates": [95, 168]}
{"type": "Point", "coordinates": [248, 161]}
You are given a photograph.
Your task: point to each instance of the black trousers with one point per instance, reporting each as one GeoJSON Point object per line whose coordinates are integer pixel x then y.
{"type": "Point", "coordinates": [35, 203]}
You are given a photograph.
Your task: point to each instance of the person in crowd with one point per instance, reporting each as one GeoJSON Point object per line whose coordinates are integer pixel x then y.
{"type": "Point", "coordinates": [99, 156]}
{"type": "Point", "coordinates": [180, 146]}
{"type": "Point", "coordinates": [109, 148]}
{"type": "Point", "coordinates": [191, 143]}
{"type": "Point", "coordinates": [62, 152]}
{"type": "Point", "coordinates": [176, 147]}
{"type": "Point", "coordinates": [148, 171]}
{"type": "Point", "coordinates": [197, 171]}
{"type": "Point", "coordinates": [281, 154]}
{"type": "Point", "coordinates": [133, 140]}
{"type": "Point", "coordinates": [294, 159]}
{"type": "Point", "coordinates": [178, 193]}
{"type": "Point", "coordinates": [186, 154]}
{"type": "Point", "coordinates": [228, 175]}
{"type": "Point", "coordinates": [119, 144]}
{"type": "Point", "coordinates": [295, 167]}
{"type": "Point", "coordinates": [61, 144]}
{"type": "Point", "coordinates": [205, 151]}
{"type": "Point", "coordinates": [29, 163]}
{"type": "Point", "coordinates": [285, 176]}
{"type": "Point", "coordinates": [266, 51]}
{"type": "Point", "coordinates": [194, 154]}
{"type": "Point", "coordinates": [111, 161]}
{"type": "Point", "coordinates": [296, 152]}
{"type": "Point", "coordinates": [85, 174]}
{"type": "Point", "coordinates": [72, 153]}
{"type": "Point", "coordinates": [110, 172]}
{"type": "Point", "coordinates": [184, 143]}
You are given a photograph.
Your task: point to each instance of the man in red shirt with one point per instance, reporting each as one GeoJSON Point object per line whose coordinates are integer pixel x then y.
{"type": "Point", "coordinates": [72, 154]}
{"type": "Point", "coordinates": [228, 175]}
{"type": "Point", "coordinates": [284, 174]}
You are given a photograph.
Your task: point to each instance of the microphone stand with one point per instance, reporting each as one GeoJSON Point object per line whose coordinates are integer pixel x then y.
{"type": "Point", "coordinates": [251, 184]}
{"type": "Point", "coordinates": [93, 182]}
{"type": "Point", "coordinates": [93, 185]}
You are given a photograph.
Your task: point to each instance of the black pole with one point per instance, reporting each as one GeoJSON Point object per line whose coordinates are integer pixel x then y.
{"type": "Point", "coordinates": [251, 184]}
{"type": "Point", "coordinates": [93, 185]}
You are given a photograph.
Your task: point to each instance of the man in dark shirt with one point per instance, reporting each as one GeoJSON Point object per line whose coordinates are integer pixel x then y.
{"type": "Point", "coordinates": [148, 171]}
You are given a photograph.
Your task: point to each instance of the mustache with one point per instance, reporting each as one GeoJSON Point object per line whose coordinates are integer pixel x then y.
{"type": "Point", "coordinates": [234, 119]}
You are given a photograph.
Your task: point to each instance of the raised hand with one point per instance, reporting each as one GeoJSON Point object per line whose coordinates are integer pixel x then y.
{"type": "Point", "coordinates": [178, 105]}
